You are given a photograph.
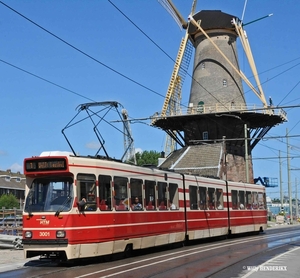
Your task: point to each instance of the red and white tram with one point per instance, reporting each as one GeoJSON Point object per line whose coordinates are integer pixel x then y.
{"type": "Point", "coordinates": [78, 207]}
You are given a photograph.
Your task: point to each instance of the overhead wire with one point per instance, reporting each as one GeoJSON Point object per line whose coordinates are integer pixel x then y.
{"type": "Point", "coordinates": [187, 72]}
{"type": "Point", "coordinates": [103, 64]}
{"type": "Point", "coordinates": [110, 68]}
{"type": "Point", "coordinates": [82, 52]}
{"type": "Point", "coordinates": [48, 81]}
{"type": "Point", "coordinates": [173, 60]}
{"type": "Point", "coordinates": [289, 91]}
{"type": "Point", "coordinates": [269, 79]}
{"type": "Point", "coordinates": [94, 59]}
{"type": "Point", "coordinates": [196, 81]}
{"type": "Point", "coordinates": [117, 72]}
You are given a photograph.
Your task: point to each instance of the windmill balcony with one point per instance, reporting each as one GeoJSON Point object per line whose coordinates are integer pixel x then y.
{"type": "Point", "coordinates": [219, 108]}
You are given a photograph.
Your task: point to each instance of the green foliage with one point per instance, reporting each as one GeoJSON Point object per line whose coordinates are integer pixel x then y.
{"type": "Point", "coordinates": [147, 158]}
{"type": "Point", "coordinates": [9, 201]}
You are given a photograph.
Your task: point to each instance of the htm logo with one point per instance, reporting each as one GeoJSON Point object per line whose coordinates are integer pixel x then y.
{"type": "Point", "coordinates": [44, 221]}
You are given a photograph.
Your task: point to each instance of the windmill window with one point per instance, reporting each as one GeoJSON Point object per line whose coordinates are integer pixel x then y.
{"type": "Point", "coordinates": [202, 65]}
{"type": "Point", "coordinates": [224, 83]}
{"type": "Point", "coordinates": [200, 107]}
{"type": "Point", "coordinates": [205, 135]}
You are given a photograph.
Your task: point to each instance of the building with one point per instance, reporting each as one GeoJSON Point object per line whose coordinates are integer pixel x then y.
{"type": "Point", "coordinates": [13, 183]}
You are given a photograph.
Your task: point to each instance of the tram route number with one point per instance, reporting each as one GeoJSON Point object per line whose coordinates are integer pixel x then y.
{"type": "Point", "coordinates": [44, 234]}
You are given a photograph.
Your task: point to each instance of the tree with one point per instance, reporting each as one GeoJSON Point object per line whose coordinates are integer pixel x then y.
{"type": "Point", "coordinates": [9, 201]}
{"type": "Point", "coordinates": [147, 158]}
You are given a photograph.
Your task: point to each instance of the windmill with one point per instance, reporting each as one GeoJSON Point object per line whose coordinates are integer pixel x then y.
{"type": "Point", "coordinates": [217, 109]}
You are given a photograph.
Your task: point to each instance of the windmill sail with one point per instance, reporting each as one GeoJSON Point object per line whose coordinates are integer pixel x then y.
{"type": "Point", "coordinates": [172, 101]}
{"type": "Point", "coordinates": [171, 9]}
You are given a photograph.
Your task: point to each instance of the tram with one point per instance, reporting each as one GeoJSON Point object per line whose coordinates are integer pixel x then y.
{"type": "Point", "coordinates": [80, 207]}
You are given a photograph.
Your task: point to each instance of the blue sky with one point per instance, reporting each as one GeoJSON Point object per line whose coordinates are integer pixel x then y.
{"type": "Point", "coordinates": [33, 112]}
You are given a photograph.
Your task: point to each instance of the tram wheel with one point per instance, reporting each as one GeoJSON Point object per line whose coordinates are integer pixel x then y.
{"type": "Point", "coordinates": [128, 251]}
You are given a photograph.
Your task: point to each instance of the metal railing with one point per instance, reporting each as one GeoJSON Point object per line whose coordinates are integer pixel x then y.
{"type": "Point", "coordinates": [219, 108]}
{"type": "Point", "coordinates": [11, 227]}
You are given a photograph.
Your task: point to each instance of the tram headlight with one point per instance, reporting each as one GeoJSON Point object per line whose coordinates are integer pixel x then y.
{"type": "Point", "coordinates": [60, 234]}
{"type": "Point", "coordinates": [28, 234]}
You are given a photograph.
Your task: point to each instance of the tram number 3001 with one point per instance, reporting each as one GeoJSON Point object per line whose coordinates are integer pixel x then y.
{"type": "Point", "coordinates": [43, 234]}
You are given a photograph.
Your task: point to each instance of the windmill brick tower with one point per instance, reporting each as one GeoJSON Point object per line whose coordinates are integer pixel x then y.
{"type": "Point", "coordinates": [218, 131]}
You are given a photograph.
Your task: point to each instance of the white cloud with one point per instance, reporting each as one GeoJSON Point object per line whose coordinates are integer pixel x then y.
{"type": "Point", "coordinates": [93, 145]}
{"type": "Point", "coordinates": [2, 153]}
{"type": "Point", "coordinates": [16, 168]}
{"type": "Point", "coordinates": [138, 150]}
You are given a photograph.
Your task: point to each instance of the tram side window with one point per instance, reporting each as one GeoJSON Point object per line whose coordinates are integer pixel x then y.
{"type": "Point", "coordinates": [202, 195]}
{"type": "Point", "coordinates": [105, 192]}
{"type": "Point", "coordinates": [136, 189]}
{"type": "Point", "coordinates": [255, 200]}
{"type": "Point", "coordinates": [162, 195]}
{"type": "Point", "coordinates": [211, 198]}
{"type": "Point", "coordinates": [121, 195]}
{"type": "Point", "coordinates": [174, 196]}
{"type": "Point", "coordinates": [150, 194]}
{"type": "Point", "coordinates": [193, 197]}
{"type": "Point", "coordinates": [261, 200]}
{"type": "Point", "coordinates": [86, 186]}
{"type": "Point", "coordinates": [242, 199]}
{"type": "Point", "coordinates": [234, 199]}
{"type": "Point", "coordinates": [248, 200]}
{"type": "Point", "coordinates": [219, 195]}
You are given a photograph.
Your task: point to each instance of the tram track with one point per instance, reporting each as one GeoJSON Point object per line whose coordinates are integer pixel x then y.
{"type": "Point", "coordinates": [211, 259]}
{"type": "Point", "coordinates": [245, 261]}
{"type": "Point", "coordinates": [169, 257]}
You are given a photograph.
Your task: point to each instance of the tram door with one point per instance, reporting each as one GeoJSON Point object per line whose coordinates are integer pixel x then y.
{"type": "Point", "coordinates": [208, 202]}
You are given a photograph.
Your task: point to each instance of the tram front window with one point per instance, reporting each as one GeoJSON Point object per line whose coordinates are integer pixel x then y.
{"type": "Point", "coordinates": [49, 195]}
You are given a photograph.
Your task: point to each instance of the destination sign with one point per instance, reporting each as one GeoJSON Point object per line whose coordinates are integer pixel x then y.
{"type": "Point", "coordinates": [45, 164]}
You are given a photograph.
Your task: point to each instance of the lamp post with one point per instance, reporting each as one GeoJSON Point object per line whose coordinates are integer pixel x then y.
{"type": "Point", "coordinates": [289, 178]}
{"type": "Point", "coordinates": [246, 153]}
{"type": "Point", "coordinates": [296, 199]}
{"type": "Point", "coordinates": [280, 181]}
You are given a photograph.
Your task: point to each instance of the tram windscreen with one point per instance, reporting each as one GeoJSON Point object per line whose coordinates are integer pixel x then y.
{"type": "Point", "coordinates": [50, 195]}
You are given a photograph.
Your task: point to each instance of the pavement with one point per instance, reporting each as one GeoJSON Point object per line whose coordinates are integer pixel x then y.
{"type": "Point", "coordinates": [273, 224]}
{"type": "Point", "coordinates": [11, 259]}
